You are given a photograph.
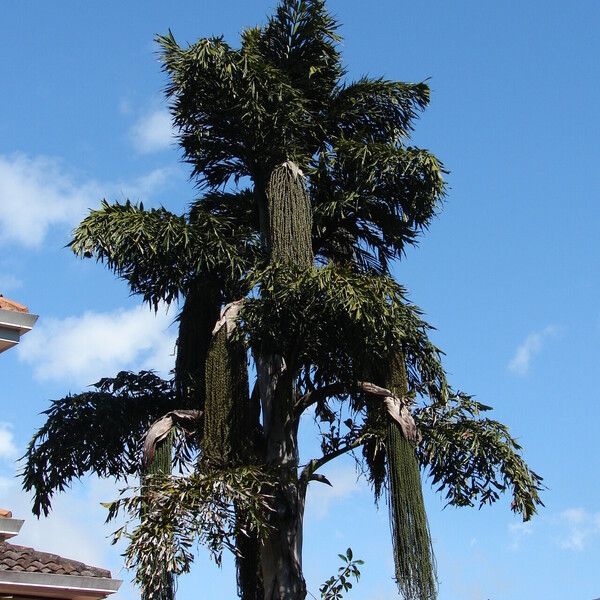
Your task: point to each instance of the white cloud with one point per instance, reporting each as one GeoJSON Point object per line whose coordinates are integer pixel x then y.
{"type": "Point", "coordinates": [321, 497]}
{"type": "Point", "coordinates": [580, 526]}
{"type": "Point", "coordinates": [146, 185]}
{"type": "Point", "coordinates": [82, 349]}
{"type": "Point", "coordinates": [532, 345]}
{"type": "Point", "coordinates": [8, 450]}
{"type": "Point", "coordinates": [152, 132]}
{"type": "Point", "coordinates": [37, 193]}
{"type": "Point", "coordinates": [9, 282]}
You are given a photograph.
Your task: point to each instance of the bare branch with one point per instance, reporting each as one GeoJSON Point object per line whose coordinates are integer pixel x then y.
{"type": "Point", "coordinates": [308, 473]}
{"type": "Point", "coordinates": [397, 408]}
{"type": "Point", "coordinates": [315, 396]}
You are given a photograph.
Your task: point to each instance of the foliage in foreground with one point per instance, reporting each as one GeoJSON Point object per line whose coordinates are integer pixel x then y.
{"type": "Point", "coordinates": [179, 512]}
{"type": "Point", "coordinates": [334, 587]}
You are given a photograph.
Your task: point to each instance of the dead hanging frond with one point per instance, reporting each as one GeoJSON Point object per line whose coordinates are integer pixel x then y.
{"type": "Point", "coordinates": [413, 551]}
{"type": "Point", "coordinates": [290, 217]}
{"type": "Point", "coordinates": [186, 420]}
{"type": "Point", "coordinates": [196, 321]}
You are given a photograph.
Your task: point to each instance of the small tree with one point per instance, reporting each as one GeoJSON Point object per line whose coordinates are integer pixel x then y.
{"type": "Point", "coordinates": [311, 192]}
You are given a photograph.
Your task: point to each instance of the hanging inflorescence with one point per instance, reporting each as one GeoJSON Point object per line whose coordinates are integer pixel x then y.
{"type": "Point", "coordinates": [160, 466]}
{"type": "Point", "coordinates": [290, 217]}
{"type": "Point", "coordinates": [229, 429]}
{"type": "Point", "coordinates": [413, 552]}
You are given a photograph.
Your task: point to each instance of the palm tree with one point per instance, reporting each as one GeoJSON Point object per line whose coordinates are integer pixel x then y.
{"type": "Point", "coordinates": [310, 192]}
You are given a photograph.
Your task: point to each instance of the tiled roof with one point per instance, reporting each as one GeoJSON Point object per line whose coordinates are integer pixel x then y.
{"type": "Point", "coordinates": [7, 304]}
{"type": "Point", "coordinates": [21, 558]}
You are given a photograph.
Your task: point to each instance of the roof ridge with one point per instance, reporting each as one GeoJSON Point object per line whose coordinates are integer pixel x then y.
{"type": "Point", "coordinates": [7, 304]}
{"type": "Point", "coordinates": [14, 557]}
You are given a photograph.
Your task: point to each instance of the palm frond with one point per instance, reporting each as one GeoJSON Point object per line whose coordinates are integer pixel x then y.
{"type": "Point", "coordinates": [150, 249]}
{"type": "Point", "coordinates": [334, 322]}
{"type": "Point", "coordinates": [301, 40]}
{"type": "Point", "coordinates": [181, 512]}
{"type": "Point", "coordinates": [159, 254]}
{"type": "Point", "coordinates": [204, 90]}
{"type": "Point", "coordinates": [474, 459]}
{"type": "Point", "coordinates": [98, 432]}
{"type": "Point", "coordinates": [376, 110]}
{"type": "Point", "coordinates": [378, 196]}
{"type": "Point", "coordinates": [237, 114]}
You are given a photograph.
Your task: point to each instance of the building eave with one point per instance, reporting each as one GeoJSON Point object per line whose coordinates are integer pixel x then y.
{"type": "Point", "coordinates": [49, 585]}
{"type": "Point", "coordinates": [13, 325]}
{"type": "Point", "coordinates": [9, 528]}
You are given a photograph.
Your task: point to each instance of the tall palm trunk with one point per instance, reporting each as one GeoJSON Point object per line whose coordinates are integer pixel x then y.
{"type": "Point", "coordinates": [287, 232]}
{"type": "Point", "coordinates": [281, 555]}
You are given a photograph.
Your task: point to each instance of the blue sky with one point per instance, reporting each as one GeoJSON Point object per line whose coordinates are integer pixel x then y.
{"type": "Point", "coordinates": [508, 273]}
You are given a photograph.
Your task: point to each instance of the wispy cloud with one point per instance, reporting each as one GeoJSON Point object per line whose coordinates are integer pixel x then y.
{"type": "Point", "coordinates": [519, 532]}
{"type": "Point", "coordinates": [82, 349]}
{"type": "Point", "coordinates": [580, 527]}
{"type": "Point", "coordinates": [530, 347]}
{"type": "Point", "coordinates": [8, 450]}
{"type": "Point", "coordinates": [38, 193]}
{"type": "Point", "coordinates": [9, 283]}
{"type": "Point", "coordinates": [321, 497]}
{"type": "Point", "coordinates": [153, 132]}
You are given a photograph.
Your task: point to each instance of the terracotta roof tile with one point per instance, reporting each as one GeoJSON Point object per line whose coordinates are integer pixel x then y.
{"type": "Point", "coordinates": [7, 304]}
{"type": "Point", "coordinates": [21, 558]}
